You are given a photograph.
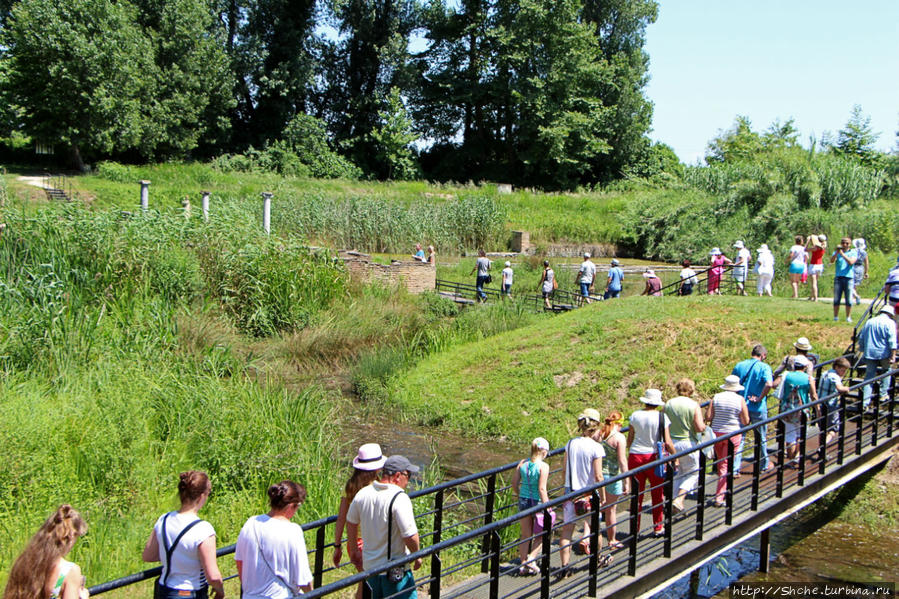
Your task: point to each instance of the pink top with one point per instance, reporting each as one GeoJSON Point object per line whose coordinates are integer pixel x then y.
{"type": "Point", "coordinates": [718, 263]}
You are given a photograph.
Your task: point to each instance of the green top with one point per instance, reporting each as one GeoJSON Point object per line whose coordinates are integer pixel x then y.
{"type": "Point", "coordinates": [680, 411]}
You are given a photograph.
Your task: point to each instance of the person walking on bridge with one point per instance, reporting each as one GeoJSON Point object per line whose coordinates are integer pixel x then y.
{"type": "Point", "coordinates": [728, 413]}
{"type": "Point", "coordinates": [686, 423]}
{"type": "Point", "coordinates": [613, 283]}
{"type": "Point", "coordinates": [741, 266]}
{"type": "Point", "coordinates": [482, 265]}
{"type": "Point", "coordinates": [718, 260]}
{"type": "Point", "coordinates": [877, 341]}
{"type": "Point", "coordinates": [648, 426]}
{"type": "Point", "coordinates": [384, 512]}
{"type": "Point", "coordinates": [585, 277]}
{"type": "Point", "coordinates": [757, 380]}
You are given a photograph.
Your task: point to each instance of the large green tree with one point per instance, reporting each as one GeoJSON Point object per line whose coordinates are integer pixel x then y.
{"type": "Point", "coordinates": [857, 139]}
{"type": "Point", "coordinates": [79, 73]}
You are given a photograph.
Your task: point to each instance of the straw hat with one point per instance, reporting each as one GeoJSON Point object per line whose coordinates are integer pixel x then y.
{"type": "Point", "coordinates": [732, 383]}
{"type": "Point", "coordinates": [369, 457]}
{"type": "Point", "coordinates": [803, 344]}
{"type": "Point", "coordinates": [652, 397]}
{"type": "Point", "coordinates": [816, 241]}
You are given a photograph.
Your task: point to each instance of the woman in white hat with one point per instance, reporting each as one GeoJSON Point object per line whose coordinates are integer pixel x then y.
{"type": "Point", "coordinates": [653, 283]}
{"type": "Point", "coordinates": [764, 267]}
{"type": "Point", "coordinates": [717, 259]}
{"type": "Point", "coordinates": [529, 483]}
{"type": "Point", "coordinates": [366, 465]}
{"type": "Point", "coordinates": [727, 412]}
{"type": "Point", "coordinates": [642, 437]}
{"type": "Point", "coordinates": [581, 468]}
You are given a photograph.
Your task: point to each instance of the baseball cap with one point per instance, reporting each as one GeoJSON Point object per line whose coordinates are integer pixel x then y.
{"type": "Point", "coordinates": [399, 463]}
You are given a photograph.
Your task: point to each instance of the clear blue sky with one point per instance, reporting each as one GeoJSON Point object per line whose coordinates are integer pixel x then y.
{"type": "Point", "coordinates": [711, 60]}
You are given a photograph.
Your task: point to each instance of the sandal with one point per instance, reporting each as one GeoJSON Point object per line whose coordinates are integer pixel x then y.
{"type": "Point", "coordinates": [615, 545]}
{"type": "Point", "coordinates": [585, 546]}
{"type": "Point", "coordinates": [606, 560]}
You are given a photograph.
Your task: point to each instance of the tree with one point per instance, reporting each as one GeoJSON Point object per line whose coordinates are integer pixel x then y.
{"type": "Point", "coordinates": [79, 73]}
{"type": "Point", "coordinates": [392, 139]}
{"type": "Point", "coordinates": [856, 138]}
{"type": "Point", "coordinates": [739, 142]}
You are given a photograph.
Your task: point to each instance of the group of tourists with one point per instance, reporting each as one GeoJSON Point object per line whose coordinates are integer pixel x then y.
{"type": "Point", "coordinates": [659, 428]}
{"type": "Point", "coordinates": [419, 254]}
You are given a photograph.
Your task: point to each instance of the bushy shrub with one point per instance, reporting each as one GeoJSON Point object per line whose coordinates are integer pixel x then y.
{"type": "Point", "coordinates": [113, 171]}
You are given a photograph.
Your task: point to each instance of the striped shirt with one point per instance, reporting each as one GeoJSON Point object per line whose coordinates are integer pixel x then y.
{"type": "Point", "coordinates": [728, 406]}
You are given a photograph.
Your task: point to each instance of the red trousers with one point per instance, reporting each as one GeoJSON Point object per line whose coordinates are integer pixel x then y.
{"type": "Point", "coordinates": [635, 460]}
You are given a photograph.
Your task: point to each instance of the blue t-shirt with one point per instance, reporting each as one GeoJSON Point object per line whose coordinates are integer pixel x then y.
{"type": "Point", "coordinates": [829, 387]}
{"type": "Point", "coordinates": [615, 276]}
{"type": "Point", "coordinates": [843, 268]}
{"type": "Point", "coordinates": [754, 374]}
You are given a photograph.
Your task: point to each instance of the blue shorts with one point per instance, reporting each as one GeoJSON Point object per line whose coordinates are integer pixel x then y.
{"type": "Point", "coordinates": [585, 289]}
{"type": "Point", "coordinates": [526, 502]}
{"type": "Point", "coordinates": [796, 269]}
{"type": "Point", "coordinates": [507, 289]}
{"type": "Point", "coordinates": [381, 587]}
{"type": "Point", "coordinates": [615, 488]}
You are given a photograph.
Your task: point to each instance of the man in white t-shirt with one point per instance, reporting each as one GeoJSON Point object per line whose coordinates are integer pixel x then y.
{"type": "Point", "coordinates": [741, 266]}
{"type": "Point", "coordinates": [369, 510]}
{"type": "Point", "coordinates": [585, 277]}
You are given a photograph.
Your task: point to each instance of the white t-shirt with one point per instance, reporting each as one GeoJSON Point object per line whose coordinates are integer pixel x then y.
{"type": "Point", "coordinates": [798, 255]}
{"type": "Point", "coordinates": [645, 424]}
{"type": "Point", "coordinates": [588, 271]}
{"type": "Point", "coordinates": [548, 280]}
{"type": "Point", "coordinates": [688, 275]}
{"type": "Point", "coordinates": [766, 263]}
{"type": "Point", "coordinates": [579, 455]}
{"type": "Point", "coordinates": [507, 273]}
{"type": "Point", "coordinates": [272, 552]}
{"type": "Point", "coordinates": [483, 266]}
{"type": "Point", "coordinates": [186, 572]}
{"type": "Point", "coordinates": [743, 257]}
{"type": "Point", "coordinates": [369, 511]}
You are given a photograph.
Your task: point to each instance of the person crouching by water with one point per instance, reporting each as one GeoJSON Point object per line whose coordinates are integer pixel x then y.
{"type": "Point", "coordinates": [615, 446]}
{"type": "Point", "coordinates": [529, 483]}
{"type": "Point", "coordinates": [271, 552]}
{"type": "Point", "coordinates": [41, 570]}
{"type": "Point", "coordinates": [383, 511]}
{"type": "Point", "coordinates": [185, 545]}
{"type": "Point", "coordinates": [582, 468]}
{"type": "Point", "coordinates": [366, 467]}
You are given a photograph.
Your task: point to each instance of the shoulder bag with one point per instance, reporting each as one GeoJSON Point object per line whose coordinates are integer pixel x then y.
{"type": "Point", "coordinates": [396, 573]}
{"type": "Point", "coordinates": [159, 589]}
{"type": "Point", "coordinates": [659, 470]}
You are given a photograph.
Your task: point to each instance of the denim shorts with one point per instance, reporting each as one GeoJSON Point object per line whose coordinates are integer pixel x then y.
{"type": "Point", "coordinates": [526, 502]}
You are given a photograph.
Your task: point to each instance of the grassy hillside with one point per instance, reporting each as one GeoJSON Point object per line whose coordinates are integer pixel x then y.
{"type": "Point", "coordinates": [535, 380]}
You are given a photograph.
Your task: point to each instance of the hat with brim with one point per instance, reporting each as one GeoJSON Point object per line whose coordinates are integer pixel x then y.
{"type": "Point", "coordinates": [763, 248]}
{"type": "Point", "coordinates": [888, 309]}
{"type": "Point", "coordinates": [589, 414]}
{"type": "Point", "coordinates": [715, 252]}
{"type": "Point", "coordinates": [615, 262]}
{"type": "Point", "coordinates": [738, 245]}
{"type": "Point", "coordinates": [369, 457]}
{"type": "Point", "coordinates": [650, 273]}
{"type": "Point", "coordinates": [540, 443]}
{"type": "Point", "coordinates": [732, 383]}
{"type": "Point", "coordinates": [652, 397]}
{"type": "Point", "coordinates": [803, 344]}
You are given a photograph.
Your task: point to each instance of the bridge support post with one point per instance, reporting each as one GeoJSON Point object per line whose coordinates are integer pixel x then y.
{"type": "Point", "coordinates": [764, 550]}
{"type": "Point", "coordinates": [694, 583]}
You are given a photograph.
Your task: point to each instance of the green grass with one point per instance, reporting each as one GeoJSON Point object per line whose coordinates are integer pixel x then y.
{"type": "Point", "coordinates": [535, 380]}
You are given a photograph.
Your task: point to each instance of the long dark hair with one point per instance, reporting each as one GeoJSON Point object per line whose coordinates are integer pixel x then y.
{"type": "Point", "coordinates": [282, 494]}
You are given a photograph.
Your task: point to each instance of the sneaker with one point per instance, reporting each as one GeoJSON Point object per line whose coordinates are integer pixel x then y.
{"type": "Point", "coordinates": [659, 532]}
{"type": "Point", "coordinates": [848, 319]}
{"type": "Point", "coordinates": [836, 318]}
{"type": "Point", "coordinates": [858, 301]}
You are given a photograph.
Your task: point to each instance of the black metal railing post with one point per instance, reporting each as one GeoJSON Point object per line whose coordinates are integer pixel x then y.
{"type": "Point", "coordinates": [781, 455]}
{"type": "Point", "coordinates": [860, 424]}
{"type": "Point", "coordinates": [489, 502]}
{"type": "Point", "coordinates": [436, 564]}
{"type": "Point", "coordinates": [756, 472]}
{"type": "Point", "coordinates": [635, 527]}
{"type": "Point", "coordinates": [729, 497]}
{"type": "Point", "coordinates": [803, 431]}
{"type": "Point", "coordinates": [594, 542]}
{"type": "Point", "coordinates": [319, 556]}
{"type": "Point", "coordinates": [841, 441]}
{"type": "Point", "coordinates": [669, 498]}
{"type": "Point", "coordinates": [546, 549]}
{"type": "Point", "coordinates": [495, 546]}
{"type": "Point", "coordinates": [700, 495]}
{"type": "Point", "coordinates": [822, 438]}
{"type": "Point", "coordinates": [875, 426]}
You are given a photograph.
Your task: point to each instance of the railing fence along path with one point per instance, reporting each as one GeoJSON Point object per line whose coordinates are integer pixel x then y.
{"type": "Point", "coordinates": [467, 525]}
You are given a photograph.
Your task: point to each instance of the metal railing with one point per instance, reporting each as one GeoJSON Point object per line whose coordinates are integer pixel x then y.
{"type": "Point", "coordinates": [470, 515]}
{"type": "Point", "coordinates": [560, 300]}
{"type": "Point", "coordinates": [716, 278]}
{"type": "Point", "coordinates": [58, 186]}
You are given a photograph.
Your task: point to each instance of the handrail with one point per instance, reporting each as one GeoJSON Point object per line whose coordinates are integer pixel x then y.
{"type": "Point", "coordinates": [320, 524]}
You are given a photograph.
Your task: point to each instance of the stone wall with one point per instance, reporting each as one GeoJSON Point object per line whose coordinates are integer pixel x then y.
{"type": "Point", "coordinates": [415, 276]}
